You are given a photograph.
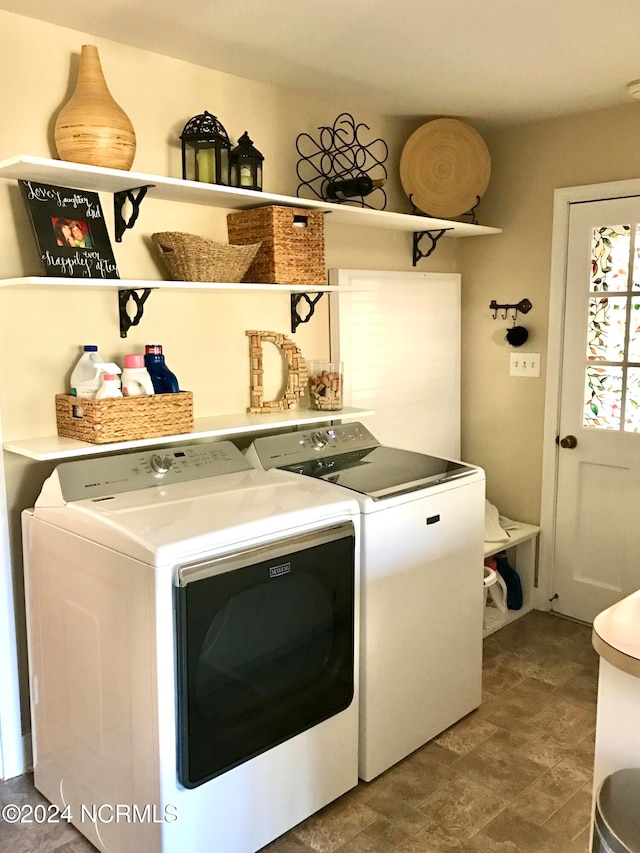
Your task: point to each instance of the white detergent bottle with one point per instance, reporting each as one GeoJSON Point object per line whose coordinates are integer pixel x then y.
{"type": "Point", "coordinates": [85, 381]}
{"type": "Point", "coordinates": [136, 381]}
{"type": "Point", "coordinates": [110, 386]}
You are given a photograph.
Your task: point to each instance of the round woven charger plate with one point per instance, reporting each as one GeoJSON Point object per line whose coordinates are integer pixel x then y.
{"type": "Point", "coordinates": [445, 167]}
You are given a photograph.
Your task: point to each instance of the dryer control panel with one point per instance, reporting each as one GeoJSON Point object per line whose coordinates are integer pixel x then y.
{"type": "Point", "coordinates": [294, 448]}
{"type": "Point", "coordinates": [142, 469]}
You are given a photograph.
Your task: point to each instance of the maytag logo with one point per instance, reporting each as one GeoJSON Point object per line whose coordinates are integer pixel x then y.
{"type": "Point", "coordinates": [278, 571]}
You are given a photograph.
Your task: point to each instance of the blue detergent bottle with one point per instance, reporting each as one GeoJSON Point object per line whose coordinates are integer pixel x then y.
{"type": "Point", "coordinates": [162, 379]}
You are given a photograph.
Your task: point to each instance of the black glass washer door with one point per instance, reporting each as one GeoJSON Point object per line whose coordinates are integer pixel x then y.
{"type": "Point", "coordinates": [382, 471]}
{"type": "Point", "coordinates": [265, 648]}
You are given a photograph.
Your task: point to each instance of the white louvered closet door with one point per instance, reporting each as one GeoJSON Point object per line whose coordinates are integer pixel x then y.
{"type": "Point", "coordinates": [398, 334]}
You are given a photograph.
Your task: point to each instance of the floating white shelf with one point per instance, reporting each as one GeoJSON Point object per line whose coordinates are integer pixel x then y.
{"type": "Point", "coordinates": [57, 447]}
{"type": "Point", "coordinates": [152, 284]}
{"type": "Point", "coordinates": [98, 179]}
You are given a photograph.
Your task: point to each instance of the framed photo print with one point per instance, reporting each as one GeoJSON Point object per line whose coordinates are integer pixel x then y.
{"type": "Point", "coordinates": [70, 231]}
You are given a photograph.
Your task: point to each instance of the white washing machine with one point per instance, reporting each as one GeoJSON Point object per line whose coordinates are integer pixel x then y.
{"type": "Point", "coordinates": [421, 580]}
{"type": "Point", "coordinates": [192, 629]}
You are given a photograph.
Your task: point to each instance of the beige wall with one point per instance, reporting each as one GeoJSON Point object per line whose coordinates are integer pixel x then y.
{"type": "Point", "coordinates": [502, 422]}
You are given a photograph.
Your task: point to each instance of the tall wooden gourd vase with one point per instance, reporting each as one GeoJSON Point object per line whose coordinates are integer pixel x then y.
{"type": "Point", "coordinates": [91, 128]}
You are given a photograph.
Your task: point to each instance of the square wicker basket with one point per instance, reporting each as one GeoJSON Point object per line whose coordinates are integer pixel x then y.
{"type": "Point", "coordinates": [292, 238]}
{"type": "Point", "coordinates": [124, 418]}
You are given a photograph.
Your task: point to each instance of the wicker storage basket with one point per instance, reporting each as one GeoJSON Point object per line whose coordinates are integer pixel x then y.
{"type": "Point", "coordinates": [192, 258]}
{"type": "Point", "coordinates": [290, 253]}
{"type": "Point", "coordinates": [124, 418]}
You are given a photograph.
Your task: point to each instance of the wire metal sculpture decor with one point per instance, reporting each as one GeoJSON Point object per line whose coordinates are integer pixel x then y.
{"type": "Point", "coordinates": [340, 154]}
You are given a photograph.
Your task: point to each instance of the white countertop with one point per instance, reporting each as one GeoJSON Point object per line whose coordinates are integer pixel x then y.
{"type": "Point", "coordinates": [616, 634]}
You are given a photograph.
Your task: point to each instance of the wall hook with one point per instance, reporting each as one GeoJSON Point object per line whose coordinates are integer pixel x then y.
{"type": "Point", "coordinates": [524, 306]}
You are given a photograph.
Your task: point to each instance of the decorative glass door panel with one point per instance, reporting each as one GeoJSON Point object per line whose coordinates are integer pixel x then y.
{"type": "Point", "coordinates": [612, 368]}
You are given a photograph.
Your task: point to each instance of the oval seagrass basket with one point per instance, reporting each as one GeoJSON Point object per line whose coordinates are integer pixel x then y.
{"type": "Point", "coordinates": [191, 258]}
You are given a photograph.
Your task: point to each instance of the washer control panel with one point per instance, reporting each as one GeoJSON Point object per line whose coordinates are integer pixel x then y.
{"type": "Point", "coordinates": [126, 472]}
{"type": "Point", "coordinates": [293, 448]}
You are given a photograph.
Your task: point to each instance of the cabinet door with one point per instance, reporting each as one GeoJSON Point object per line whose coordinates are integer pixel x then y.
{"type": "Point", "coordinates": [398, 335]}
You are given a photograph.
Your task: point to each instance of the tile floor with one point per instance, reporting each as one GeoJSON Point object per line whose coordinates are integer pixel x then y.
{"type": "Point", "coordinates": [514, 775]}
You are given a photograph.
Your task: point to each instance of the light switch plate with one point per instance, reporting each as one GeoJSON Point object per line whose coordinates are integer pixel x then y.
{"type": "Point", "coordinates": [524, 364]}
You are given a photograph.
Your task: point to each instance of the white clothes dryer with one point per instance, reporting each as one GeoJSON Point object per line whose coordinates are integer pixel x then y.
{"type": "Point", "coordinates": [193, 655]}
{"type": "Point", "coordinates": [421, 580]}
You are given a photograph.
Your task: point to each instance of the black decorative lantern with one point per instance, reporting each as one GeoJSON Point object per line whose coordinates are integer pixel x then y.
{"type": "Point", "coordinates": [246, 165]}
{"type": "Point", "coordinates": [205, 150]}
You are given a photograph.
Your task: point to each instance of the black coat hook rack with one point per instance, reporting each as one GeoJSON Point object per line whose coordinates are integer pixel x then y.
{"type": "Point", "coordinates": [524, 306]}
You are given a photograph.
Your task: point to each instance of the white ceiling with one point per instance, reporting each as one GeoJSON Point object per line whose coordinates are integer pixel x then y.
{"type": "Point", "coordinates": [491, 62]}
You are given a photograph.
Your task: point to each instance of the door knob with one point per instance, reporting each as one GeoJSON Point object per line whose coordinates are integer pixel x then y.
{"type": "Point", "coordinates": [569, 442]}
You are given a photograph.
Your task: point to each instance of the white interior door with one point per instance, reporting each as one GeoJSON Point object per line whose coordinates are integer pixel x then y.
{"type": "Point", "coordinates": [597, 527]}
{"type": "Point", "coordinates": [398, 334]}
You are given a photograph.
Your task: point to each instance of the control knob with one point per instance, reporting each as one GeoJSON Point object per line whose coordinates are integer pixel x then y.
{"type": "Point", "coordinates": [161, 463]}
{"type": "Point", "coordinates": [318, 439]}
